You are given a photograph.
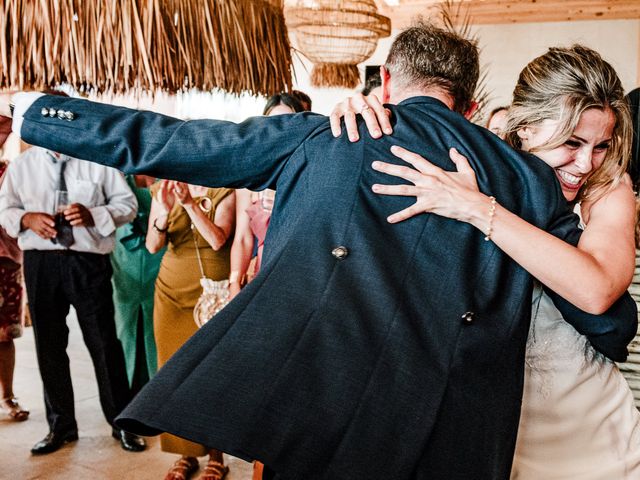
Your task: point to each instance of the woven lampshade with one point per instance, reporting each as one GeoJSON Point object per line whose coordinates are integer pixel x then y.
{"type": "Point", "coordinates": [118, 46]}
{"type": "Point", "coordinates": [337, 35]}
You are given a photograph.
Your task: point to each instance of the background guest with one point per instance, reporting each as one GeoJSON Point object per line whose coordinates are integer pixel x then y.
{"type": "Point", "coordinates": [191, 221]}
{"type": "Point", "coordinates": [66, 263]}
{"type": "Point", "coordinates": [303, 98]}
{"type": "Point", "coordinates": [253, 211]}
{"type": "Point", "coordinates": [10, 319]}
{"type": "Point", "coordinates": [373, 86]}
{"type": "Point", "coordinates": [497, 121]}
{"type": "Point", "coordinates": [134, 276]}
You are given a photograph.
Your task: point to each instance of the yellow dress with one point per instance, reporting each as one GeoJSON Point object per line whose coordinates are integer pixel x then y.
{"type": "Point", "coordinates": [177, 291]}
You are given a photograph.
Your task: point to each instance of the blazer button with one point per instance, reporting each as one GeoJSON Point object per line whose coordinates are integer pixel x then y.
{"type": "Point", "coordinates": [340, 252]}
{"type": "Point", "coordinates": [61, 114]}
{"type": "Point", "coordinates": [44, 112]}
{"type": "Point", "coordinates": [69, 115]}
{"type": "Point", "coordinates": [53, 112]}
{"type": "Point", "coordinates": [467, 317]}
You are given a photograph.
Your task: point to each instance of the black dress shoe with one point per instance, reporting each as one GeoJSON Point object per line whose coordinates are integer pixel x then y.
{"type": "Point", "coordinates": [129, 441]}
{"type": "Point", "coordinates": [53, 441]}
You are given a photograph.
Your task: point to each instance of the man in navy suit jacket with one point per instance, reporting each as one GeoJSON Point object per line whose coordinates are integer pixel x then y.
{"type": "Point", "coordinates": [363, 349]}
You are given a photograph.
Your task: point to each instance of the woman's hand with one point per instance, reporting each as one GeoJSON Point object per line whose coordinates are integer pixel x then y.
{"type": "Point", "coordinates": [375, 116]}
{"type": "Point", "coordinates": [165, 197]}
{"type": "Point", "coordinates": [182, 194]}
{"type": "Point", "coordinates": [449, 194]}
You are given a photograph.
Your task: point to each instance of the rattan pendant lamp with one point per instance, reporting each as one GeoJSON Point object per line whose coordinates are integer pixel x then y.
{"type": "Point", "coordinates": [337, 35]}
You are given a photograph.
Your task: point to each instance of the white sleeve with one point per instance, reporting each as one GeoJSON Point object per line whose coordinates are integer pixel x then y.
{"type": "Point", "coordinates": [22, 101]}
{"type": "Point", "coordinates": [121, 206]}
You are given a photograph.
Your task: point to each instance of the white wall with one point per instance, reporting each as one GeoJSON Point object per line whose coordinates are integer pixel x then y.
{"type": "Point", "coordinates": [506, 49]}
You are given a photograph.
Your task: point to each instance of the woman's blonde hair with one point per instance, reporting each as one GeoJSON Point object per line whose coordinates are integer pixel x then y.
{"type": "Point", "coordinates": [561, 85]}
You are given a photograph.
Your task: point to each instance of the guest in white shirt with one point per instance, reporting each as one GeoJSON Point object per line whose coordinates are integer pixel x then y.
{"type": "Point", "coordinates": [66, 263]}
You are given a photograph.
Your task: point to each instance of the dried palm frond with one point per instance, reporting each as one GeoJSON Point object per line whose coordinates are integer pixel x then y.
{"type": "Point", "coordinates": [455, 17]}
{"type": "Point", "coordinates": [117, 46]}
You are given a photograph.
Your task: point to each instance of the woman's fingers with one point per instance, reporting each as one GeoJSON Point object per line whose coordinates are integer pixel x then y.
{"type": "Point", "coordinates": [400, 171]}
{"type": "Point", "coordinates": [461, 162]}
{"type": "Point", "coordinates": [376, 117]}
{"type": "Point", "coordinates": [335, 120]}
{"type": "Point", "coordinates": [408, 212]}
{"type": "Point", "coordinates": [351, 124]}
{"type": "Point", "coordinates": [397, 190]}
{"type": "Point", "coordinates": [383, 115]}
{"type": "Point", "coordinates": [418, 161]}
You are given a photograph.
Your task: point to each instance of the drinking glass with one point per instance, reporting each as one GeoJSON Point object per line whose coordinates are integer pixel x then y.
{"type": "Point", "coordinates": [60, 201]}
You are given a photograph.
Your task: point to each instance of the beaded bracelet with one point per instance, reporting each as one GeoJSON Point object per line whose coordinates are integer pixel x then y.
{"type": "Point", "coordinates": [492, 213]}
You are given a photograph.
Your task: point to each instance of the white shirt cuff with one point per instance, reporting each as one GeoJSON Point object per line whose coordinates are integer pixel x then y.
{"type": "Point", "coordinates": [22, 101]}
{"type": "Point", "coordinates": [103, 221]}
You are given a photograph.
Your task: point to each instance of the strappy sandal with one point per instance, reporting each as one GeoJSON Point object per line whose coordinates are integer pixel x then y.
{"type": "Point", "coordinates": [214, 471]}
{"type": "Point", "coordinates": [12, 408]}
{"type": "Point", "coordinates": [182, 469]}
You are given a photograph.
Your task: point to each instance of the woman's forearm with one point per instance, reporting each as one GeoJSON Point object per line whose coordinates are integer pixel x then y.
{"type": "Point", "coordinates": [214, 235]}
{"type": "Point", "coordinates": [591, 276]}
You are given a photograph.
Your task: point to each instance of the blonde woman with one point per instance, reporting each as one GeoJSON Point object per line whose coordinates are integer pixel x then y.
{"type": "Point", "coordinates": [578, 417]}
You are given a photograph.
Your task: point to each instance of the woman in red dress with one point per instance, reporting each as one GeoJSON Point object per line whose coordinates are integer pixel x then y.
{"type": "Point", "coordinates": [10, 319]}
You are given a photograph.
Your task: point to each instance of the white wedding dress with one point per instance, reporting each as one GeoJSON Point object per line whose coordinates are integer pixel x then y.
{"type": "Point", "coordinates": [578, 416]}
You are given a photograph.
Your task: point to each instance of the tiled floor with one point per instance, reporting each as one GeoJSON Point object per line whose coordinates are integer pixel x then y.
{"type": "Point", "coordinates": [96, 455]}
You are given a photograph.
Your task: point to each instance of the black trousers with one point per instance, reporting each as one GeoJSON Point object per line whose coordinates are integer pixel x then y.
{"type": "Point", "coordinates": [55, 280]}
{"type": "Point", "coordinates": [268, 474]}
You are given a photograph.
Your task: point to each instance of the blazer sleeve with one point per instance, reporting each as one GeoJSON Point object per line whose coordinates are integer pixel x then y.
{"type": "Point", "coordinates": [214, 153]}
{"type": "Point", "coordinates": [609, 333]}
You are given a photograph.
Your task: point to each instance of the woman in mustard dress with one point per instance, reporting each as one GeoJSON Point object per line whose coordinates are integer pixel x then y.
{"type": "Point", "coordinates": [185, 217]}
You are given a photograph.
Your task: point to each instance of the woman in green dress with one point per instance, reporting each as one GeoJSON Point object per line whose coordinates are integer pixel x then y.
{"type": "Point", "coordinates": [134, 276]}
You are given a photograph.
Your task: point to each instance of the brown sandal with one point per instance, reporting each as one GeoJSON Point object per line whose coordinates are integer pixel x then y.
{"type": "Point", "coordinates": [12, 408]}
{"type": "Point", "coordinates": [214, 471]}
{"type": "Point", "coordinates": [182, 469]}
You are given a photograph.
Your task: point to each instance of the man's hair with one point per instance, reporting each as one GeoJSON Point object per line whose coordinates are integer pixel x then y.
{"type": "Point", "coordinates": [373, 81]}
{"type": "Point", "coordinates": [425, 56]}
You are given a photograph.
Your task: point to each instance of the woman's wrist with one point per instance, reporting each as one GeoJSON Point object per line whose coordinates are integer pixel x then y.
{"type": "Point", "coordinates": [480, 212]}
{"type": "Point", "coordinates": [160, 223]}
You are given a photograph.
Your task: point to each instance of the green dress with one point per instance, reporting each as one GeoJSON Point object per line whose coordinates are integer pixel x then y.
{"type": "Point", "coordinates": [134, 275]}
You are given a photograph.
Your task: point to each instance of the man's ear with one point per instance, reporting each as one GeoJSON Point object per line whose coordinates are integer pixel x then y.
{"type": "Point", "coordinates": [385, 76]}
{"type": "Point", "coordinates": [473, 107]}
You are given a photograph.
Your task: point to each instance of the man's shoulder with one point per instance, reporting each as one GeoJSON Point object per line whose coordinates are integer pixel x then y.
{"type": "Point", "coordinates": [29, 158]}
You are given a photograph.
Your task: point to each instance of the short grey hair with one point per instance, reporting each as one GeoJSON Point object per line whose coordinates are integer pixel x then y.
{"type": "Point", "coordinates": [426, 56]}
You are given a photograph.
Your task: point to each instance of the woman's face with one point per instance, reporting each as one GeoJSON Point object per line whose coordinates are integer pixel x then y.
{"type": "Point", "coordinates": [498, 123]}
{"type": "Point", "coordinates": [280, 110]}
{"type": "Point", "coordinates": [582, 153]}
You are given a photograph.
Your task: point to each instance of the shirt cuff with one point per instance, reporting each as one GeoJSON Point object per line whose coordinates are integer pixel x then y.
{"type": "Point", "coordinates": [103, 221]}
{"type": "Point", "coordinates": [22, 101]}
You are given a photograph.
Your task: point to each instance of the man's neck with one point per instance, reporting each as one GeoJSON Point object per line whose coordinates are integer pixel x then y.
{"type": "Point", "coordinates": [434, 92]}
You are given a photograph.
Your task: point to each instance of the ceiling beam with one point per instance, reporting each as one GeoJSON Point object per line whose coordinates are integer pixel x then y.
{"type": "Point", "coordinates": [515, 11]}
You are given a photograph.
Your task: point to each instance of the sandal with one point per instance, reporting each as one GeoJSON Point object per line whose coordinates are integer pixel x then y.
{"type": "Point", "coordinates": [12, 408]}
{"type": "Point", "coordinates": [214, 471]}
{"type": "Point", "coordinates": [182, 469]}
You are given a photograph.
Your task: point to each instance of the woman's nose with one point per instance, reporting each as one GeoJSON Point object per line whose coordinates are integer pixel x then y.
{"type": "Point", "coordinates": [583, 160]}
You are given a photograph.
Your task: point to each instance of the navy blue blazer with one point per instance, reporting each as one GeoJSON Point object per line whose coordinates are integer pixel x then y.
{"type": "Point", "coordinates": [362, 349]}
